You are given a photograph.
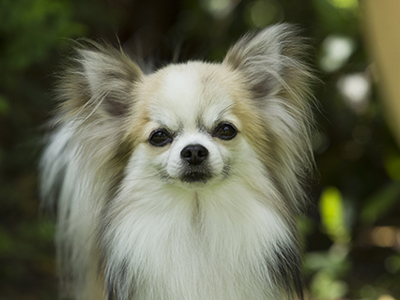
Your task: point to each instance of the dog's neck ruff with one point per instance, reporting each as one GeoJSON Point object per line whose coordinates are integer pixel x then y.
{"type": "Point", "coordinates": [219, 243]}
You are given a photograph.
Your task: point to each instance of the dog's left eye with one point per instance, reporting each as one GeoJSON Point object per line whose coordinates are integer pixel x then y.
{"type": "Point", "coordinates": [160, 137]}
{"type": "Point", "coordinates": [225, 131]}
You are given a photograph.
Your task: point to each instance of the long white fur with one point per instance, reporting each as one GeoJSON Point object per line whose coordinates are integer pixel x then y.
{"type": "Point", "coordinates": [154, 236]}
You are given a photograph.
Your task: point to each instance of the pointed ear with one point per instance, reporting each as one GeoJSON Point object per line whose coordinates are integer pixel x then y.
{"type": "Point", "coordinates": [99, 81]}
{"type": "Point", "coordinates": [272, 61]}
{"type": "Point", "coordinates": [272, 65]}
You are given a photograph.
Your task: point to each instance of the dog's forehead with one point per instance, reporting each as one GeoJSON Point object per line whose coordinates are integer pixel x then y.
{"type": "Point", "coordinates": [190, 95]}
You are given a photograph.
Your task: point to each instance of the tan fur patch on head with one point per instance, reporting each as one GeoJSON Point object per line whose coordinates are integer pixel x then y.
{"type": "Point", "coordinates": [181, 95]}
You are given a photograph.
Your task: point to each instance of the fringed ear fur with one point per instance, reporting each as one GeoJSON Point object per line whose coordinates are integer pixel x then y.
{"type": "Point", "coordinates": [272, 64]}
{"type": "Point", "coordinates": [100, 81]}
{"type": "Point", "coordinates": [97, 95]}
{"type": "Point", "coordinates": [272, 61]}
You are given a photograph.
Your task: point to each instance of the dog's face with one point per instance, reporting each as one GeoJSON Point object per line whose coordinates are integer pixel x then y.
{"type": "Point", "coordinates": [191, 134]}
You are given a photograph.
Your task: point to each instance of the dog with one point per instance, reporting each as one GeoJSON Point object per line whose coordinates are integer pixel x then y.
{"type": "Point", "coordinates": [184, 183]}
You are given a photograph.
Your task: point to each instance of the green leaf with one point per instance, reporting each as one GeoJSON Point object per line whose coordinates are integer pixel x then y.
{"type": "Point", "coordinates": [332, 215]}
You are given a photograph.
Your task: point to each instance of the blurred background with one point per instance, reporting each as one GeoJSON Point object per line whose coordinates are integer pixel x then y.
{"type": "Point", "coordinates": [352, 228]}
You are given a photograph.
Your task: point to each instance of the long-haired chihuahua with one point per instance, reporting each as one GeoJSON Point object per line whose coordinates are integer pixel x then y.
{"type": "Point", "coordinates": [183, 184]}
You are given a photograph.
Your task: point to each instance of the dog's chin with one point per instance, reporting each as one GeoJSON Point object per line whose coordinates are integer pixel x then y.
{"type": "Point", "coordinates": [195, 177]}
{"type": "Point", "coordinates": [194, 186]}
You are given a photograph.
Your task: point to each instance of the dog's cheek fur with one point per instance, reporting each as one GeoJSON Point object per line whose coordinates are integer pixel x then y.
{"type": "Point", "coordinates": [279, 117]}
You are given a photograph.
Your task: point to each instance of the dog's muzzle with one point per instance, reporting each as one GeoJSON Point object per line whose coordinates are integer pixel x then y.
{"type": "Point", "coordinates": [195, 163]}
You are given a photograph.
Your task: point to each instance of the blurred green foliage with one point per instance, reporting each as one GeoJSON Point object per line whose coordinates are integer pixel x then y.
{"type": "Point", "coordinates": [352, 229]}
{"type": "Point", "coordinates": [332, 212]}
{"type": "Point", "coordinates": [43, 23]}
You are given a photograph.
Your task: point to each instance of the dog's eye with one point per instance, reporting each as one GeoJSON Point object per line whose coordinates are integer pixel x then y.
{"type": "Point", "coordinates": [160, 137]}
{"type": "Point", "coordinates": [225, 131]}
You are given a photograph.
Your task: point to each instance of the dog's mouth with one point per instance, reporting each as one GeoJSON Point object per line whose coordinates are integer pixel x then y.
{"type": "Point", "coordinates": [198, 174]}
{"type": "Point", "coordinates": [195, 177]}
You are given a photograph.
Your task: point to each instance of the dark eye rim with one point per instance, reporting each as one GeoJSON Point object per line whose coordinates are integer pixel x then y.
{"type": "Point", "coordinates": [168, 137]}
{"type": "Point", "coordinates": [223, 137]}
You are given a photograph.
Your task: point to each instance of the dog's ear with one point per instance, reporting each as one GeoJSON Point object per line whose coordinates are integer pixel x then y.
{"type": "Point", "coordinates": [99, 81]}
{"type": "Point", "coordinates": [272, 61]}
{"type": "Point", "coordinates": [272, 64]}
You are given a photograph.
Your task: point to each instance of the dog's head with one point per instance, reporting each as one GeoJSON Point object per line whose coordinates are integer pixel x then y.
{"type": "Point", "coordinates": [197, 124]}
{"type": "Point", "coordinates": [191, 132]}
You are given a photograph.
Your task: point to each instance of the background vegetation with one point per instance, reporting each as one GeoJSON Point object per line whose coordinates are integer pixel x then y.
{"type": "Point", "coordinates": [352, 229]}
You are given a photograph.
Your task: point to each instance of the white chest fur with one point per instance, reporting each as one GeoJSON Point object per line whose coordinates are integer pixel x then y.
{"type": "Point", "coordinates": [214, 244]}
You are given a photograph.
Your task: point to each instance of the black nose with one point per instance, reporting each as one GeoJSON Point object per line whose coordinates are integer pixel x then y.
{"type": "Point", "coordinates": [194, 154]}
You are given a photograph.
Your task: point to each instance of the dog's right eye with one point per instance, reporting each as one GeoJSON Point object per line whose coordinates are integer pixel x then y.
{"type": "Point", "coordinates": [160, 137]}
{"type": "Point", "coordinates": [225, 131]}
